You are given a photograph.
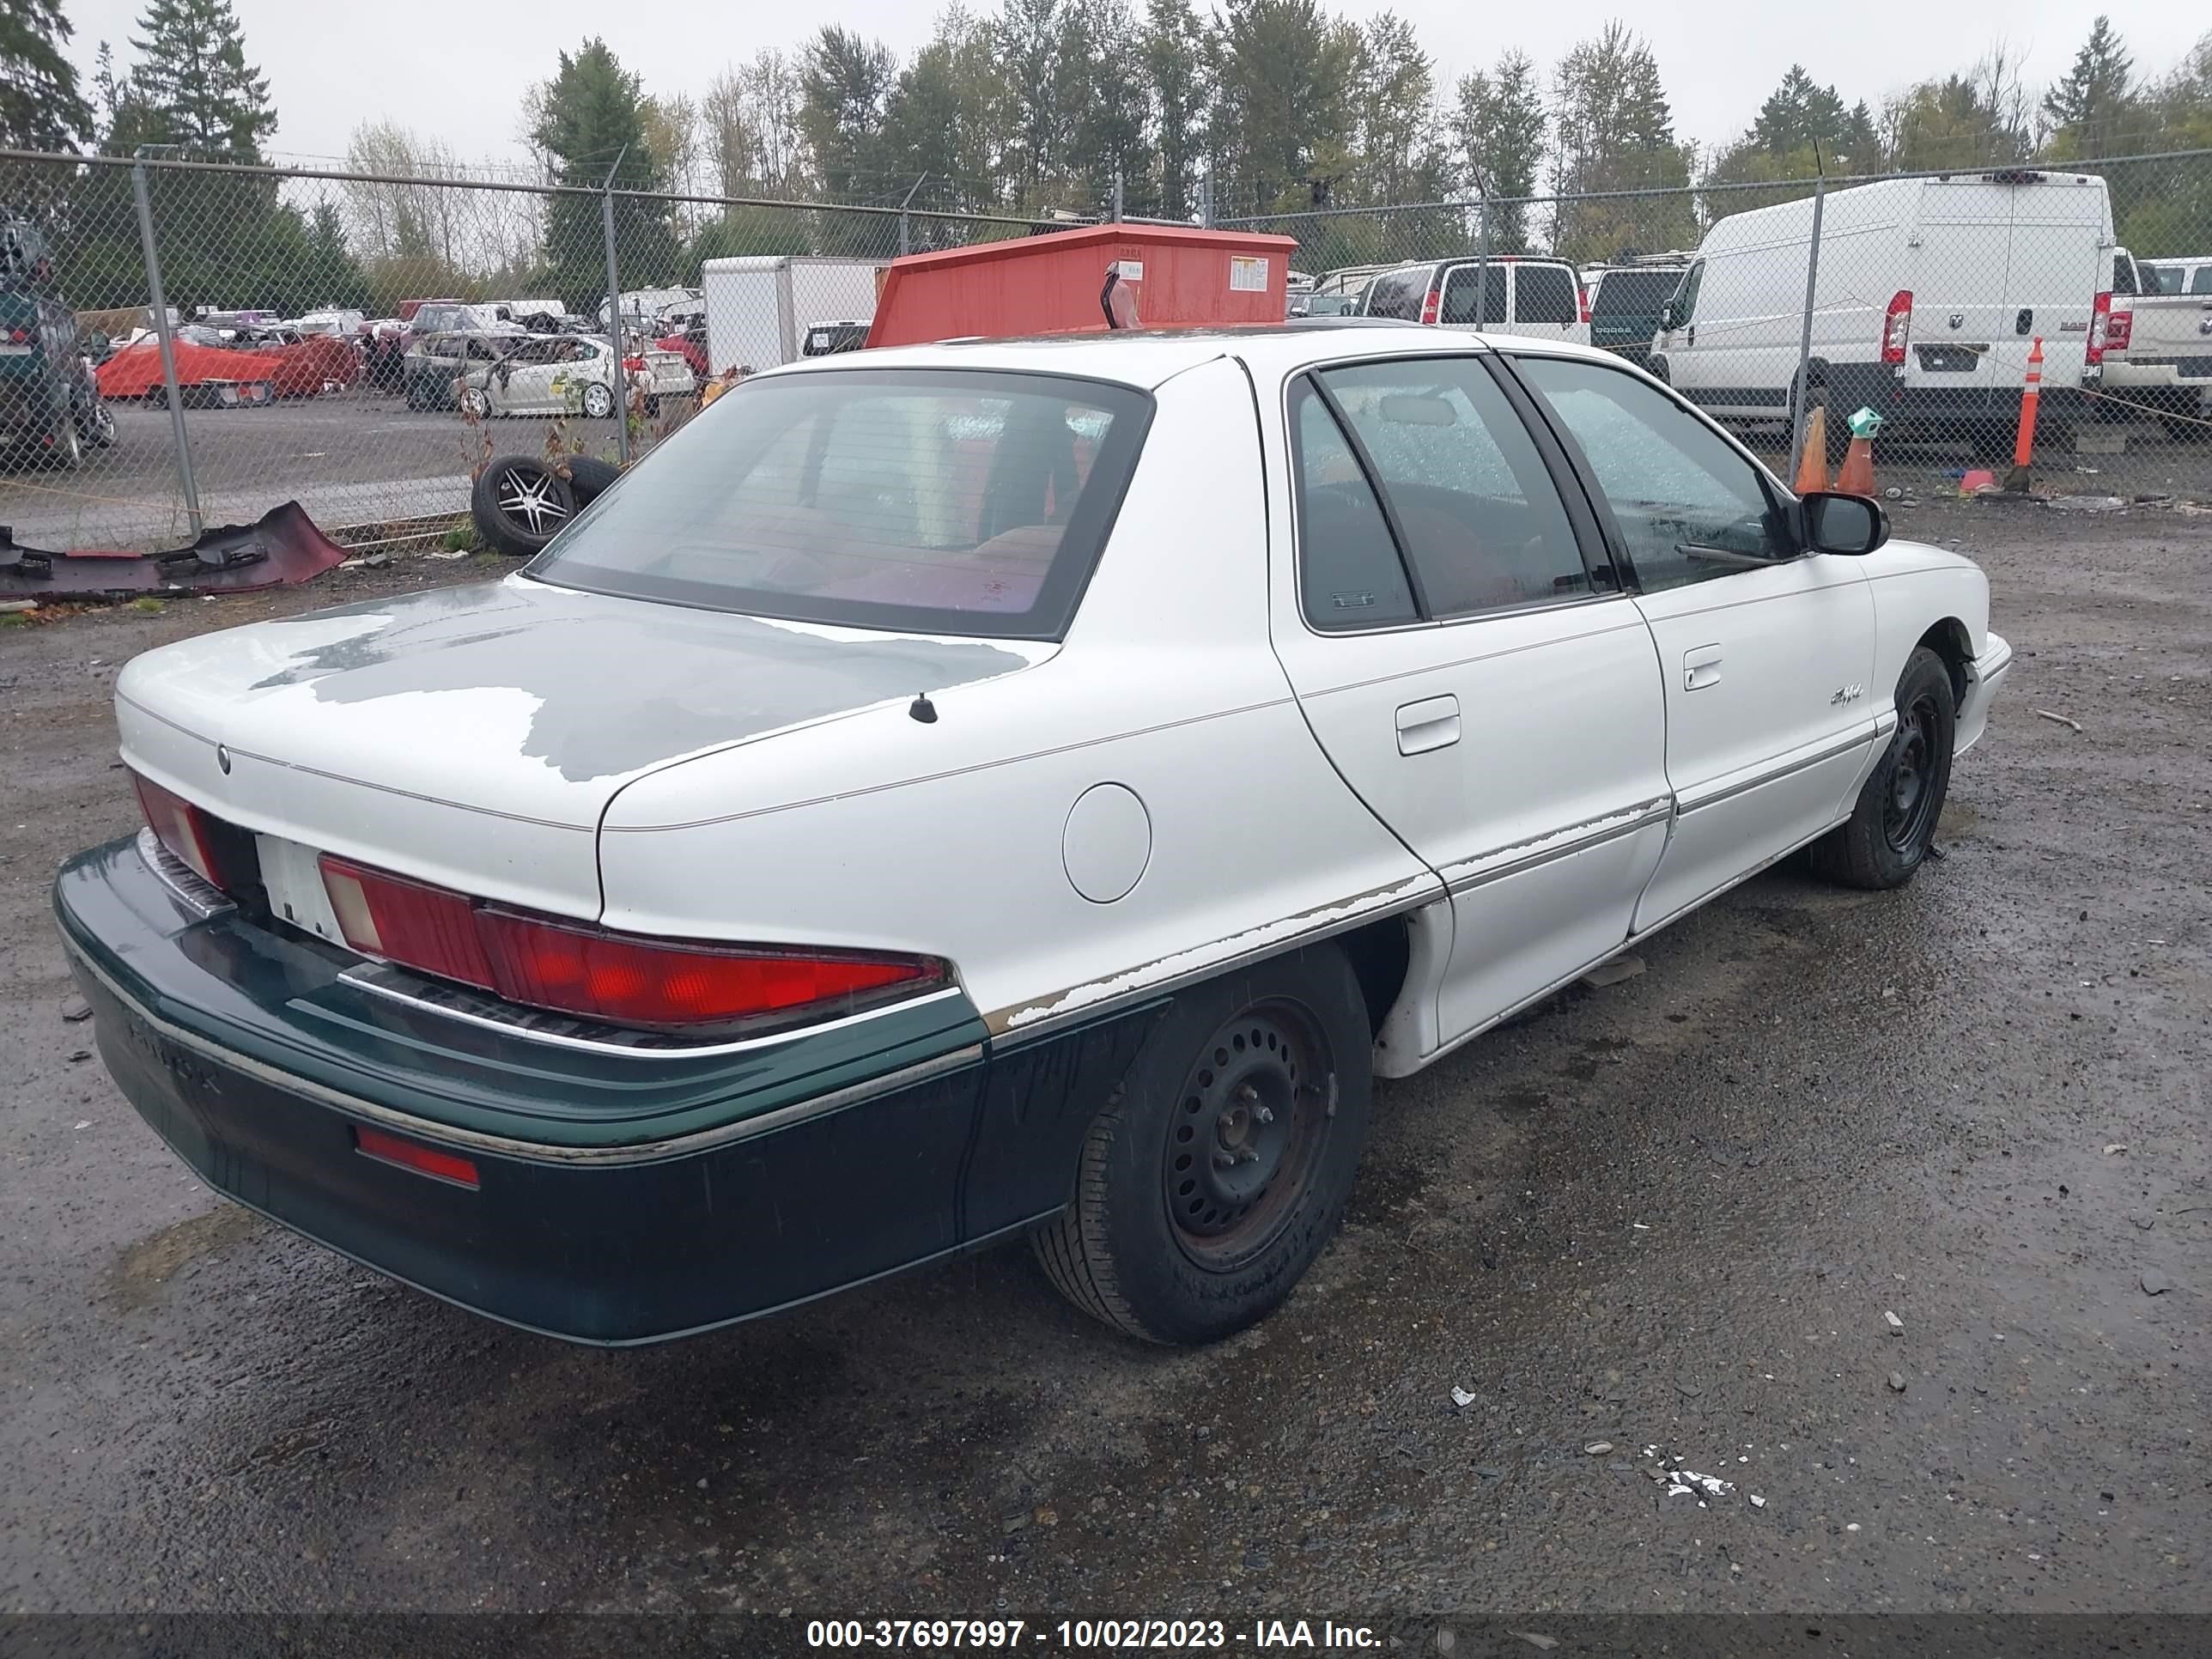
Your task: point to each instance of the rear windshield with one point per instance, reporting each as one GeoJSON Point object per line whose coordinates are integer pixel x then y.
{"type": "Point", "coordinates": [1544, 294]}
{"type": "Point", "coordinates": [1637, 294]}
{"type": "Point", "coordinates": [930, 501]}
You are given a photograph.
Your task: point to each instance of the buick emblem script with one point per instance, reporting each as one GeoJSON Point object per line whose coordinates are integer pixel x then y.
{"type": "Point", "coordinates": [1848, 694]}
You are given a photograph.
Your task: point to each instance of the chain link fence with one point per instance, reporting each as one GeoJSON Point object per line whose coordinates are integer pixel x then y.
{"type": "Point", "coordinates": [186, 344]}
{"type": "Point", "coordinates": [1937, 301]}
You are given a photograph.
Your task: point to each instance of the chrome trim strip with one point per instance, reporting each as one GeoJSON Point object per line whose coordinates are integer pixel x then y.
{"type": "Point", "coordinates": [185, 885]}
{"type": "Point", "coordinates": [535, 1152]}
{"type": "Point", "coordinates": [1776, 773]}
{"type": "Point", "coordinates": [1056, 1010]}
{"type": "Point", "coordinates": [1477, 871]}
{"type": "Point", "coordinates": [371, 977]}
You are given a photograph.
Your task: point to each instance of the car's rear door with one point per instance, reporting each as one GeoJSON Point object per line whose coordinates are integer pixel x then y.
{"type": "Point", "coordinates": [1462, 650]}
{"type": "Point", "coordinates": [1547, 302]}
{"type": "Point", "coordinates": [1960, 320]}
{"type": "Point", "coordinates": [1767, 652]}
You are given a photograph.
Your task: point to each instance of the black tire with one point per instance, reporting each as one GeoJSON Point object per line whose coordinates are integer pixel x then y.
{"type": "Point", "coordinates": [1212, 1179]}
{"type": "Point", "coordinates": [1894, 825]}
{"type": "Point", "coordinates": [66, 454]}
{"type": "Point", "coordinates": [157, 397]}
{"type": "Point", "coordinates": [520, 504]}
{"type": "Point", "coordinates": [96, 425]}
{"type": "Point", "coordinates": [600, 403]}
{"type": "Point", "coordinates": [588, 476]}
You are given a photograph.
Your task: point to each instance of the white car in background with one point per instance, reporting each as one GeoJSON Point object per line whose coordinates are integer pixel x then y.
{"type": "Point", "coordinates": [570, 374]}
{"type": "Point", "coordinates": [971, 790]}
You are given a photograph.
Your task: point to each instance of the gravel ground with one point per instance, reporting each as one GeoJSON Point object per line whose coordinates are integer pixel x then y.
{"type": "Point", "coordinates": [1671, 1217]}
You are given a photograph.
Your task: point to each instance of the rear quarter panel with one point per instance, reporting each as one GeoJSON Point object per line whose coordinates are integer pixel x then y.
{"type": "Point", "coordinates": [950, 837]}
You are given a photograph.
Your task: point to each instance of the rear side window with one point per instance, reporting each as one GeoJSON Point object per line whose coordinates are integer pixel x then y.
{"type": "Point", "coordinates": [1465, 488]}
{"type": "Point", "coordinates": [953, 502]}
{"type": "Point", "coordinates": [1350, 575]}
{"type": "Point", "coordinates": [1545, 294]}
{"type": "Point", "coordinates": [1399, 294]}
{"type": "Point", "coordinates": [1460, 291]}
{"type": "Point", "coordinates": [2202, 282]}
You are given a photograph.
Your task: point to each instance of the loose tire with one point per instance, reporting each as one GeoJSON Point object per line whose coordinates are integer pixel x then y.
{"type": "Point", "coordinates": [520, 504]}
{"type": "Point", "coordinates": [588, 476]}
{"type": "Point", "coordinates": [476, 402]}
{"type": "Point", "coordinates": [1212, 1179]}
{"type": "Point", "coordinates": [1894, 825]}
{"type": "Point", "coordinates": [599, 402]}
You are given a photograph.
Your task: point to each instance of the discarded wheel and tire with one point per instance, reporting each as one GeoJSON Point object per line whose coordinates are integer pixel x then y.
{"type": "Point", "coordinates": [588, 476]}
{"type": "Point", "coordinates": [520, 504]}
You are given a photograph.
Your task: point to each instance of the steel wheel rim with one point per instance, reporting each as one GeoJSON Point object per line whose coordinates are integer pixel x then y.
{"type": "Point", "coordinates": [599, 402]}
{"type": "Point", "coordinates": [1248, 1130]}
{"type": "Point", "coordinates": [1910, 796]}
{"type": "Point", "coordinates": [533, 504]}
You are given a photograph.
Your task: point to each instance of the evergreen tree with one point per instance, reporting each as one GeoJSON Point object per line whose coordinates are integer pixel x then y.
{"type": "Point", "coordinates": [1501, 126]}
{"type": "Point", "coordinates": [590, 122]}
{"type": "Point", "coordinates": [193, 83]}
{"type": "Point", "coordinates": [2090, 108]}
{"type": "Point", "coordinates": [40, 106]}
{"type": "Point", "coordinates": [1616, 131]}
{"type": "Point", "coordinates": [1175, 49]}
{"type": "Point", "coordinates": [1282, 120]}
{"type": "Point", "coordinates": [845, 83]}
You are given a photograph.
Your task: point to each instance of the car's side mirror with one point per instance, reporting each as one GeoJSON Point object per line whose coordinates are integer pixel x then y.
{"type": "Point", "coordinates": [1835, 523]}
{"type": "Point", "coordinates": [1669, 318]}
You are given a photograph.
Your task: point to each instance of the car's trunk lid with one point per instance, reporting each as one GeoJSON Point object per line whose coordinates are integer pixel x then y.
{"type": "Point", "coordinates": [474, 735]}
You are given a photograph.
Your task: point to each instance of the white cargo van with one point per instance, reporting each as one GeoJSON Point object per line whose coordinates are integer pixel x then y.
{"type": "Point", "coordinates": [1930, 292]}
{"type": "Point", "coordinates": [760, 310]}
{"type": "Point", "coordinates": [1507, 294]}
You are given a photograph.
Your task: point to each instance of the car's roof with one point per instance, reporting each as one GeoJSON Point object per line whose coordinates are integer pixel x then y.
{"type": "Point", "coordinates": [1148, 357]}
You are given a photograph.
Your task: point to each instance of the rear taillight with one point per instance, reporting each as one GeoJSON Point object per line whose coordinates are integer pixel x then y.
{"type": "Point", "coordinates": [2103, 324]}
{"type": "Point", "coordinates": [2120, 330]}
{"type": "Point", "coordinates": [632, 364]}
{"type": "Point", "coordinates": [1582, 303]}
{"type": "Point", "coordinates": [624, 980]}
{"type": "Point", "coordinates": [184, 829]}
{"type": "Point", "coordinates": [1896, 326]}
{"type": "Point", "coordinates": [1429, 306]}
{"type": "Point", "coordinates": [20, 336]}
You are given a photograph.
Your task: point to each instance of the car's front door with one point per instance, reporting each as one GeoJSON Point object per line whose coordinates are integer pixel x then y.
{"type": "Point", "coordinates": [1462, 650]}
{"type": "Point", "coordinates": [1767, 651]}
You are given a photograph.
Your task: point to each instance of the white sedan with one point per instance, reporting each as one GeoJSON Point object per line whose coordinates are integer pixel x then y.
{"type": "Point", "coordinates": [957, 791]}
{"type": "Point", "coordinates": [570, 374]}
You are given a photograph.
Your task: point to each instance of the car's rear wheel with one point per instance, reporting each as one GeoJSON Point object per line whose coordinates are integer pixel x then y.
{"type": "Point", "coordinates": [599, 402]}
{"type": "Point", "coordinates": [1214, 1177]}
{"type": "Point", "coordinates": [97, 426]}
{"type": "Point", "coordinates": [520, 504]}
{"type": "Point", "coordinates": [476, 402]}
{"type": "Point", "coordinates": [1894, 825]}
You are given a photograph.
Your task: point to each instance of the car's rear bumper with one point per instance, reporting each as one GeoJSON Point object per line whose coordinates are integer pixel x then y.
{"type": "Point", "coordinates": [1984, 676]}
{"type": "Point", "coordinates": [617, 1199]}
{"type": "Point", "coordinates": [1925, 407]}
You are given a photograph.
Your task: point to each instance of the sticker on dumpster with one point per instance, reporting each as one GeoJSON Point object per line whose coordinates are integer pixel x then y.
{"type": "Point", "coordinates": [1248, 273]}
{"type": "Point", "coordinates": [1130, 270]}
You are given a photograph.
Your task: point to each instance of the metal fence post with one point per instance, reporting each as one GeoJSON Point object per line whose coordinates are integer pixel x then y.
{"type": "Point", "coordinates": [1805, 337]}
{"type": "Point", "coordinates": [615, 317]}
{"type": "Point", "coordinates": [1482, 260]}
{"type": "Point", "coordinates": [163, 333]}
{"type": "Point", "coordinates": [1206, 202]}
{"type": "Point", "coordinates": [1117, 196]}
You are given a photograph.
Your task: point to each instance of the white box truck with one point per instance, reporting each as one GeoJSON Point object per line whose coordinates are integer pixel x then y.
{"type": "Point", "coordinates": [760, 311]}
{"type": "Point", "coordinates": [1928, 295]}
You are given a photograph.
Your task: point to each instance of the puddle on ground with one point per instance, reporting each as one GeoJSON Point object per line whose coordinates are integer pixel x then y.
{"type": "Point", "coordinates": [141, 1271]}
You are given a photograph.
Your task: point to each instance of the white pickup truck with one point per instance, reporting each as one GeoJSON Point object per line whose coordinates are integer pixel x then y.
{"type": "Point", "coordinates": [2158, 343]}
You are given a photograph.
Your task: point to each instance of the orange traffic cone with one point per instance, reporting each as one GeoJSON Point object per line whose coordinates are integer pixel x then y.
{"type": "Point", "coordinates": [1856, 477]}
{"type": "Point", "coordinates": [1812, 465]}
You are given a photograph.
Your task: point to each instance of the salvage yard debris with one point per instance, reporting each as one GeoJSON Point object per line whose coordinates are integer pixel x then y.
{"type": "Point", "coordinates": [282, 546]}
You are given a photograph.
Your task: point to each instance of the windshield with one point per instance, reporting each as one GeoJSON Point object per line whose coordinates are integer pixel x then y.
{"type": "Point", "coordinates": [952, 501]}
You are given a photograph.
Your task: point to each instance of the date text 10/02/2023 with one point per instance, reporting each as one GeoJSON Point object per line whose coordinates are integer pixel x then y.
{"type": "Point", "coordinates": [1083, 1635]}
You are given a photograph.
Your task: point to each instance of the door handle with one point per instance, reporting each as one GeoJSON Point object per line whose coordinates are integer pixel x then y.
{"type": "Point", "coordinates": [1431, 723]}
{"type": "Point", "coordinates": [1701, 668]}
{"type": "Point", "coordinates": [1692, 335]}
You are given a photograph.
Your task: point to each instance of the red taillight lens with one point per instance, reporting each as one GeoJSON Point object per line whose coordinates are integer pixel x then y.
{"type": "Point", "coordinates": [2120, 330]}
{"type": "Point", "coordinates": [586, 971]}
{"type": "Point", "coordinates": [2102, 322]}
{"type": "Point", "coordinates": [1582, 304]}
{"type": "Point", "coordinates": [20, 336]}
{"type": "Point", "coordinates": [413, 1154]}
{"type": "Point", "coordinates": [1896, 326]}
{"type": "Point", "coordinates": [182, 828]}
{"type": "Point", "coordinates": [1429, 306]}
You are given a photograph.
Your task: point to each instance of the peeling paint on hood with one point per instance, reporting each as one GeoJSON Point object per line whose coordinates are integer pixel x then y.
{"type": "Point", "coordinates": [524, 698]}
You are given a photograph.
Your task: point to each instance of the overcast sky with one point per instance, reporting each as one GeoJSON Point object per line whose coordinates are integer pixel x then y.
{"type": "Point", "coordinates": [453, 67]}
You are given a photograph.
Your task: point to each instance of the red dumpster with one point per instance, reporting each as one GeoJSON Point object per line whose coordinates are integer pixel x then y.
{"type": "Point", "coordinates": [1181, 278]}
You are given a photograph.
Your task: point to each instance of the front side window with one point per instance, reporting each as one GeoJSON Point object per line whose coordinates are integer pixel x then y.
{"type": "Point", "coordinates": [1545, 294]}
{"type": "Point", "coordinates": [1467, 493]}
{"type": "Point", "coordinates": [952, 501]}
{"type": "Point", "coordinates": [1674, 483]}
{"type": "Point", "coordinates": [1686, 300]}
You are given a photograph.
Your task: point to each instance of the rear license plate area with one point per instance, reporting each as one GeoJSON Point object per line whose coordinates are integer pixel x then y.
{"type": "Point", "coordinates": [293, 875]}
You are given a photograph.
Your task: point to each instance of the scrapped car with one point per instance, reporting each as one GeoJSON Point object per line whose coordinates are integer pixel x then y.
{"type": "Point", "coordinates": [50, 398]}
{"type": "Point", "coordinates": [568, 374]}
{"type": "Point", "coordinates": [955, 792]}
